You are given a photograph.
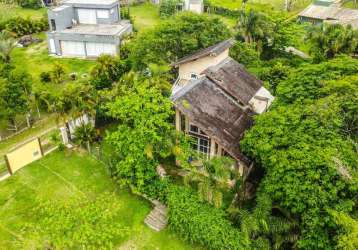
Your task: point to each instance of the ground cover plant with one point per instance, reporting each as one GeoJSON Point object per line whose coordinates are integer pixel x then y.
{"type": "Point", "coordinates": [64, 178]}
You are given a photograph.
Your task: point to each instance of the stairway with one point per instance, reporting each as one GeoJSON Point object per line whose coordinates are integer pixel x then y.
{"type": "Point", "coordinates": [157, 218]}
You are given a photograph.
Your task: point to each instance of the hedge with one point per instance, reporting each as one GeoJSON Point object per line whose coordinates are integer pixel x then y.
{"type": "Point", "coordinates": [200, 223]}
{"type": "Point", "coordinates": [21, 26]}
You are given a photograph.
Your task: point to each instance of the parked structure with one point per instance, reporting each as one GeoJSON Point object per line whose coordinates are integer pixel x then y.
{"type": "Point", "coordinates": [86, 28]}
{"type": "Point", "coordinates": [329, 11]}
{"type": "Point", "coordinates": [215, 100]}
{"type": "Point", "coordinates": [196, 6]}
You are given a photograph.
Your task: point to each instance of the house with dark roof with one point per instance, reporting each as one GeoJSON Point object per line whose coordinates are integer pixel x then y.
{"type": "Point", "coordinates": [329, 11]}
{"type": "Point", "coordinates": [215, 99]}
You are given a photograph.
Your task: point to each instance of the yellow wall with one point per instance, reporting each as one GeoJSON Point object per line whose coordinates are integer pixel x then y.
{"type": "Point", "coordinates": [198, 66]}
{"type": "Point", "coordinates": [196, 7]}
{"type": "Point", "coordinates": [24, 155]}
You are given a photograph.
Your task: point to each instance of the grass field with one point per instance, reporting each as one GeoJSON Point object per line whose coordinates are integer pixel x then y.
{"type": "Point", "coordinates": [61, 176]}
{"type": "Point", "coordinates": [8, 11]}
{"type": "Point", "coordinates": [276, 4]}
{"type": "Point", "coordinates": [145, 16]}
{"type": "Point", "coordinates": [35, 59]}
{"type": "Point", "coordinates": [351, 4]}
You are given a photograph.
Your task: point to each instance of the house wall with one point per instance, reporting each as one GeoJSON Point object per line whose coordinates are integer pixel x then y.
{"type": "Point", "coordinates": [216, 150]}
{"type": "Point", "coordinates": [196, 7]}
{"type": "Point", "coordinates": [24, 155]}
{"type": "Point", "coordinates": [113, 17]}
{"type": "Point", "coordinates": [198, 66]}
{"type": "Point", "coordinates": [58, 37]}
{"type": "Point", "coordinates": [63, 18]}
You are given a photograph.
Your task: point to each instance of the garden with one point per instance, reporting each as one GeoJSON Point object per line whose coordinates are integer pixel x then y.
{"type": "Point", "coordinates": [299, 194]}
{"type": "Point", "coordinates": [61, 181]}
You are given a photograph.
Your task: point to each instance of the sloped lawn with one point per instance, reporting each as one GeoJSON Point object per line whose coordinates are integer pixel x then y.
{"type": "Point", "coordinates": [63, 176]}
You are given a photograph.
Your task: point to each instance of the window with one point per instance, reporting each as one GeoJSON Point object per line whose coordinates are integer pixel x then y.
{"type": "Point", "coordinates": [102, 14]}
{"type": "Point", "coordinates": [194, 76]}
{"type": "Point", "coordinates": [53, 24]}
{"type": "Point", "coordinates": [201, 142]}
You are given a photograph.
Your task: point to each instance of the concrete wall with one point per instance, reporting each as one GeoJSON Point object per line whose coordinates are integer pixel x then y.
{"type": "Point", "coordinates": [198, 66]}
{"type": "Point", "coordinates": [24, 155]}
{"type": "Point", "coordinates": [80, 38]}
{"type": "Point", "coordinates": [63, 18]}
{"type": "Point", "coordinates": [113, 17]}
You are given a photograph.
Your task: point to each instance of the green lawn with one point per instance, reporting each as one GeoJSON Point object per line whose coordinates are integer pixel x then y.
{"type": "Point", "coordinates": [43, 125]}
{"type": "Point", "coordinates": [35, 59]}
{"type": "Point", "coordinates": [145, 16]}
{"type": "Point", "coordinates": [276, 4]}
{"type": "Point", "coordinates": [62, 175]}
{"type": "Point", "coordinates": [8, 11]}
{"type": "Point", "coordinates": [351, 4]}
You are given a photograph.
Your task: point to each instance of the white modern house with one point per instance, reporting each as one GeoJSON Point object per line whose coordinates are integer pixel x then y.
{"type": "Point", "coordinates": [86, 28]}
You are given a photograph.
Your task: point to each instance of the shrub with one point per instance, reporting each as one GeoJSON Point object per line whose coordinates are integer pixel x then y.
{"type": "Point", "coordinates": [73, 76]}
{"type": "Point", "coordinates": [168, 8]}
{"type": "Point", "coordinates": [31, 4]}
{"type": "Point", "coordinates": [200, 223]}
{"type": "Point", "coordinates": [21, 26]}
{"type": "Point", "coordinates": [45, 77]}
{"type": "Point", "coordinates": [58, 72]}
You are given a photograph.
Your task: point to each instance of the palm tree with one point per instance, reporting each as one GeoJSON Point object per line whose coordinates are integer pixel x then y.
{"type": "Point", "coordinates": [252, 26]}
{"type": "Point", "coordinates": [7, 44]}
{"type": "Point", "coordinates": [263, 230]}
{"type": "Point", "coordinates": [328, 40]}
{"type": "Point", "coordinates": [85, 135]}
{"type": "Point", "coordinates": [213, 178]}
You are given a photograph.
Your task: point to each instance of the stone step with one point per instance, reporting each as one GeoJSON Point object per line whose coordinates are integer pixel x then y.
{"type": "Point", "coordinates": [161, 219]}
{"type": "Point", "coordinates": [157, 219]}
{"type": "Point", "coordinates": [155, 225]}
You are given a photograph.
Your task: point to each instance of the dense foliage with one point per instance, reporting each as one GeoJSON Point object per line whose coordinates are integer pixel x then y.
{"type": "Point", "coordinates": [329, 40]}
{"type": "Point", "coordinates": [198, 222]}
{"type": "Point", "coordinates": [305, 146]}
{"type": "Point", "coordinates": [176, 38]}
{"type": "Point", "coordinates": [21, 26]}
{"type": "Point", "coordinates": [144, 132]}
{"type": "Point", "coordinates": [88, 224]}
{"type": "Point", "coordinates": [168, 8]}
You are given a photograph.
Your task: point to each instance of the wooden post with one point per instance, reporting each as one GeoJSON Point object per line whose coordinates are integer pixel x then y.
{"type": "Point", "coordinates": [39, 141]}
{"type": "Point", "coordinates": [212, 148]}
{"type": "Point", "coordinates": [177, 120]}
{"type": "Point", "coordinates": [8, 164]}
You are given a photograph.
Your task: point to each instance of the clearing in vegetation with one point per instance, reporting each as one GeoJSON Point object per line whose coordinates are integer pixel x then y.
{"type": "Point", "coordinates": [64, 176]}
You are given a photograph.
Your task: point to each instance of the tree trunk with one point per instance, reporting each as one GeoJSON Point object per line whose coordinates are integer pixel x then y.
{"type": "Point", "coordinates": [88, 147]}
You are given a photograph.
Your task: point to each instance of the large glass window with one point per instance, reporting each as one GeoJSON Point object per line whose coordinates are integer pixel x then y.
{"type": "Point", "coordinates": [200, 141]}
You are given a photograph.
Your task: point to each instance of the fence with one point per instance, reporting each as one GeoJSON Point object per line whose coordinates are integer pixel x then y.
{"type": "Point", "coordinates": [27, 152]}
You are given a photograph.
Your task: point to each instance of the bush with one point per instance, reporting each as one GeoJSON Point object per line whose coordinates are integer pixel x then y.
{"type": "Point", "coordinates": [168, 8]}
{"type": "Point", "coordinates": [45, 77]}
{"type": "Point", "coordinates": [73, 76]}
{"type": "Point", "coordinates": [31, 4]}
{"type": "Point", "coordinates": [21, 26]}
{"type": "Point", "coordinates": [200, 223]}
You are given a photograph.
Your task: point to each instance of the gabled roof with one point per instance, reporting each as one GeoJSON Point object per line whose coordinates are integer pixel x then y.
{"type": "Point", "coordinates": [319, 12]}
{"type": "Point", "coordinates": [342, 15]}
{"type": "Point", "coordinates": [210, 51]}
{"type": "Point", "coordinates": [214, 111]}
{"type": "Point", "coordinates": [218, 103]}
{"type": "Point", "coordinates": [232, 77]}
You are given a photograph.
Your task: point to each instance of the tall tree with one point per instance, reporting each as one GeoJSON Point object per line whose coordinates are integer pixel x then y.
{"type": "Point", "coordinates": [144, 133]}
{"type": "Point", "coordinates": [7, 44]}
{"type": "Point", "coordinates": [175, 38]}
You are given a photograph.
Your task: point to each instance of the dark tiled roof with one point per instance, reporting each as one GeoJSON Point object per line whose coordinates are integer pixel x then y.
{"type": "Point", "coordinates": [233, 78]}
{"type": "Point", "coordinates": [213, 110]}
{"type": "Point", "coordinates": [212, 50]}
